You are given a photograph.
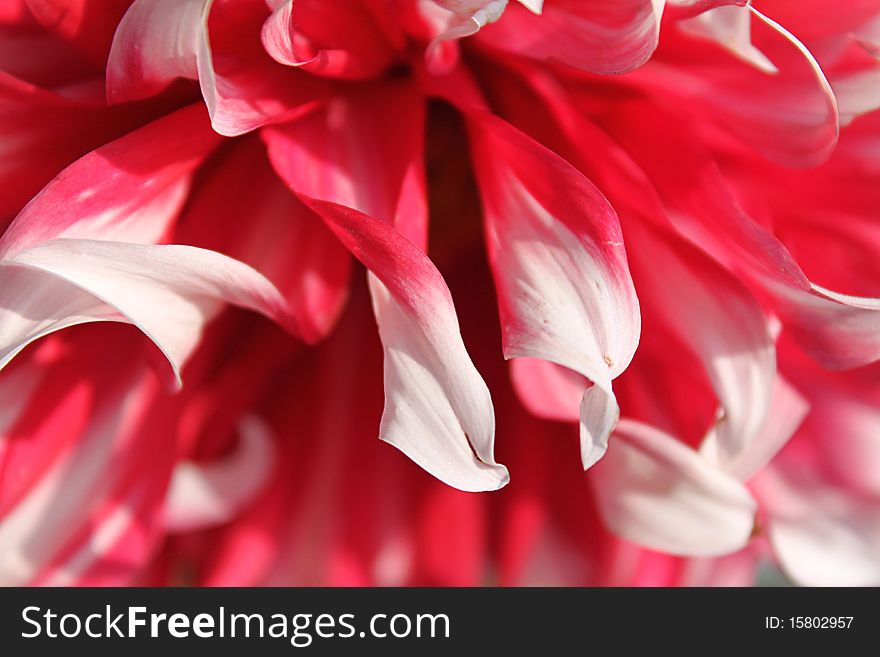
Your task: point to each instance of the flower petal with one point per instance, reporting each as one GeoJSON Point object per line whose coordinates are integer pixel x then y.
{"type": "Point", "coordinates": [548, 390]}
{"type": "Point", "coordinates": [282, 238]}
{"type": "Point", "coordinates": [838, 330]}
{"type": "Point", "coordinates": [587, 34]}
{"type": "Point", "coordinates": [822, 535]}
{"type": "Point", "coordinates": [168, 291]}
{"type": "Point", "coordinates": [731, 28]}
{"type": "Point", "coordinates": [556, 249]}
{"type": "Point", "coordinates": [719, 320]}
{"type": "Point", "coordinates": [334, 38]}
{"type": "Point", "coordinates": [49, 517]}
{"type": "Point", "coordinates": [156, 42]}
{"type": "Point", "coordinates": [795, 122]}
{"type": "Point", "coordinates": [366, 155]}
{"type": "Point", "coordinates": [438, 410]}
{"type": "Point", "coordinates": [160, 41]}
{"type": "Point", "coordinates": [130, 189]}
{"type": "Point", "coordinates": [656, 491]}
{"type": "Point", "coordinates": [787, 410]}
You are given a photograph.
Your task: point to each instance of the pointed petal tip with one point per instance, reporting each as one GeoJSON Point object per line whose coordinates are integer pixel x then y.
{"type": "Point", "coordinates": [481, 478]}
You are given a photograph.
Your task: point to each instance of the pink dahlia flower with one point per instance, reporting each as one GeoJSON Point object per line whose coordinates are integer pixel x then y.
{"type": "Point", "coordinates": [662, 214]}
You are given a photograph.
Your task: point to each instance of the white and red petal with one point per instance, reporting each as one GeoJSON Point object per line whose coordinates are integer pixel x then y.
{"type": "Point", "coordinates": [556, 249]}
{"type": "Point", "coordinates": [84, 249]}
{"type": "Point", "coordinates": [217, 42]}
{"type": "Point", "coordinates": [795, 122]}
{"type": "Point", "coordinates": [358, 174]}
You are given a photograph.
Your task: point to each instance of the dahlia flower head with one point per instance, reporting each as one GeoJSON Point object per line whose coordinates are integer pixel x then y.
{"type": "Point", "coordinates": [605, 273]}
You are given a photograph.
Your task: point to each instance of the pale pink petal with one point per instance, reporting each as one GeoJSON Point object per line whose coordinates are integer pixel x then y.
{"type": "Point", "coordinates": [466, 20]}
{"type": "Point", "coordinates": [790, 116]}
{"type": "Point", "coordinates": [599, 414]}
{"type": "Point", "coordinates": [243, 89]}
{"type": "Point", "coordinates": [592, 35]}
{"type": "Point", "coordinates": [838, 330]}
{"type": "Point", "coordinates": [656, 491]}
{"type": "Point", "coordinates": [868, 36]}
{"type": "Point", "coordinates": [202, 495]}
{"type": "Point", "coordinates": [689, 8]}
{"type": "Point", "coordinates": [822, 535]}
{"type": "Point", "coordinates": [556, 249]}
{"type": "Point", "coordinates": [99, 212]}
{"type": "Point", "coordinates": [534, 6]}
{"type": "Point", "coordinates": [857, 93]}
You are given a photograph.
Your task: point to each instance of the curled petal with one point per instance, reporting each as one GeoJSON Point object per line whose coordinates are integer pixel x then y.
{"type": "Point", "coordinates": [160, 41]}
{"type": "Point", "coordinates": [796, 120]}
{"type": "Point", "coordinates": [838, 330]}
{"type": "Point", "coordinates": [281, 238]}
{"type": "Point", "coordinates": [731, 28]}
{"type": "Point", "coordinates": [591, 35]}
{"type": "Point", "coordinates": [690, 8]}
{"type": "Point", "coordinates": [599, 414]}
{"type": "Point", "coordinates": [334, 38]}
{"type": "Point", "coordinates": [168, 291]}
{"type": "Point", "coordinates": [155, 43]}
